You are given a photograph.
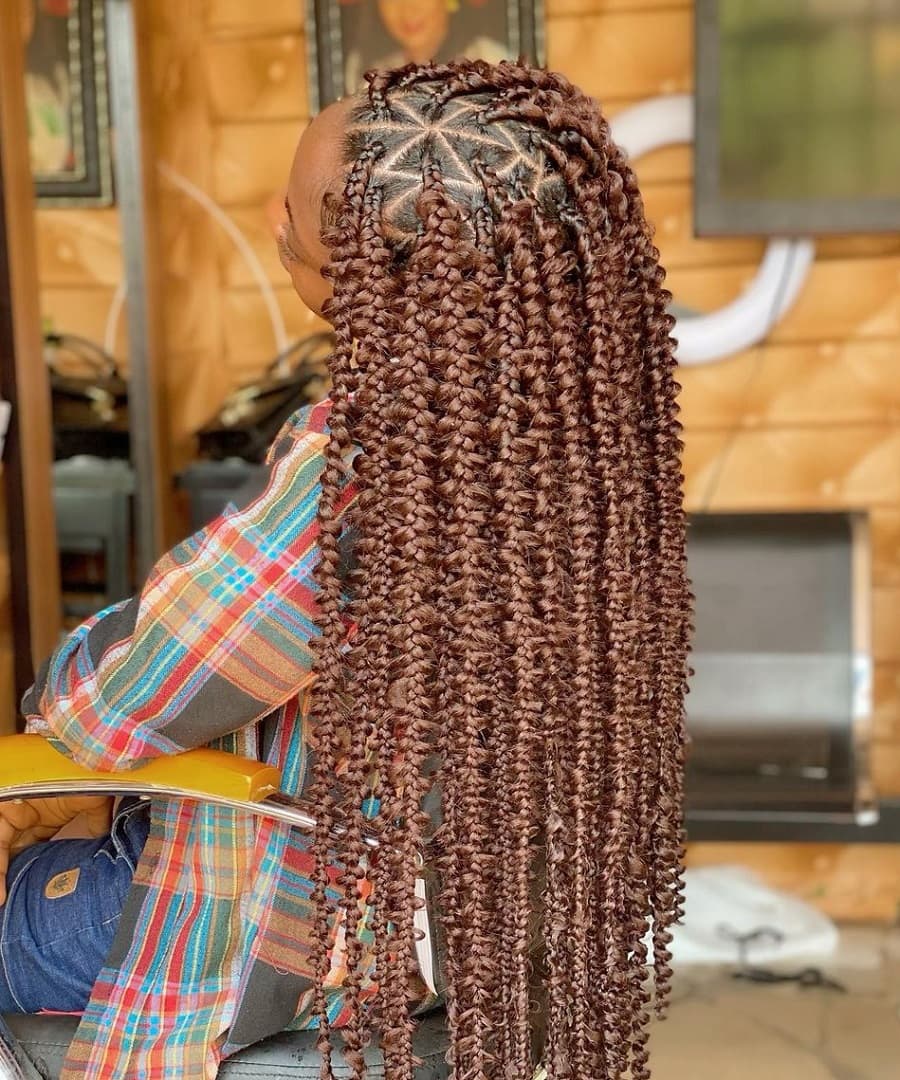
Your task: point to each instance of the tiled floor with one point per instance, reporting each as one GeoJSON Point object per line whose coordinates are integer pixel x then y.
{"type": "Point", "coordinates": [723, 1029]}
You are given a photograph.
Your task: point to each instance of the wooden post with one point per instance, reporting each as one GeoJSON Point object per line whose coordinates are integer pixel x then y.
{"type": "Point", "coordinates": [33, 557]}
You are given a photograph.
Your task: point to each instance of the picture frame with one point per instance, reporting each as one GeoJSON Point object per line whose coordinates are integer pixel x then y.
{"type": "Point", "coordinates": [796, 119]}
{"type": "Point", "coordinates": [348, 37]}
{"type": "Point", "coordinates": [67, 101]}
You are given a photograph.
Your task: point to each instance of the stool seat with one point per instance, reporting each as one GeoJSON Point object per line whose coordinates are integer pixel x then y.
{"type": "Point", "coordinates": [290, 1055]}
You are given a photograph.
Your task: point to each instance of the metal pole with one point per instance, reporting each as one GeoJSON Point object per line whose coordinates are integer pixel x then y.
{"type": "Point", "coordinates": [144, 382]}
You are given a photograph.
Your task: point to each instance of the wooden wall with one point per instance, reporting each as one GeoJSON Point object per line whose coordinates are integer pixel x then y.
{"type": "Point", "coordinates": [810, 420]}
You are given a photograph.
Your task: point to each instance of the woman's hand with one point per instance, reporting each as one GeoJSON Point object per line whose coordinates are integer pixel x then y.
{"type": "Point", "coordinates": [29, 821]}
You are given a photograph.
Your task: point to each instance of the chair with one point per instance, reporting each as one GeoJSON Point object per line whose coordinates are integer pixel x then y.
{"type": "Point", "coordinates": [92, 501]}
{"type": "Point", "coordinates": [29, 766]}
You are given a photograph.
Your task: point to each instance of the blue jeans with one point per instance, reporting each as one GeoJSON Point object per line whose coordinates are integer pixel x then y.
{"type": "Point", "coordinates": [64, 900]}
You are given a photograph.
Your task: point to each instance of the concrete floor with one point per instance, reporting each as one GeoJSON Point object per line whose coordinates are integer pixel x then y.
{"type": "Point", "coordinates": [723, 1029]}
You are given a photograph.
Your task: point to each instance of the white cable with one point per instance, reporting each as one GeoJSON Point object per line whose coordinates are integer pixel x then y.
{"type": "Point", "coordinates": [782, 273]}
{"type": "Point", "coordinates": [113, 316]}
{"type": "Point", "coordinates": [279, 331]}
{"type": "Point", "coordinates": [249, 256]}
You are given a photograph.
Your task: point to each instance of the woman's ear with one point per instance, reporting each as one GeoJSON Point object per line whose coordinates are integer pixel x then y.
{"type": "Point", "coordinates": [275, 212]}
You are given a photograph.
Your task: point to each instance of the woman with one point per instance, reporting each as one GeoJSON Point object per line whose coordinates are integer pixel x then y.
{"type": "Point", "coordinates": [502, 457]}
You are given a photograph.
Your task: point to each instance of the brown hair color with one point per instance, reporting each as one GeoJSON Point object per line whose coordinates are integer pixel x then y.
{"type": "Point", "coordinates": [505, 364]}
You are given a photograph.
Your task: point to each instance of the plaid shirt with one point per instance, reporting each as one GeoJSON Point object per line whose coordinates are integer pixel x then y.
{"type": "Point", "coordinates": [213, 950]}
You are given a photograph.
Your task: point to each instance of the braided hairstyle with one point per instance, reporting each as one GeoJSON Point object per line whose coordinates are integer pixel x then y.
{"type": "Point", "coordinates": [504, 363]}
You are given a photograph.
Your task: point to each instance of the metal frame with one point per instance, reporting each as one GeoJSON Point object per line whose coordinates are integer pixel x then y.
{"type": "Point", "coordinates": [276, 807]}
{"type": "Point", "coordinates": [131, 177]}
{"type": "Point", "coordinates": [873, 821]}
{"type": "Point", "coordinates": [867, 809]}
{"type": "Point", "coordinates": [884, 828]}
{"type": "Point", "coordinates": [325, 50]}
{"type": "Point", "coordinates": [90, 184]}
{"type": "Point", "coordinates": [715, 216]}
{"type": "Point", "coordinates": [861, 821]}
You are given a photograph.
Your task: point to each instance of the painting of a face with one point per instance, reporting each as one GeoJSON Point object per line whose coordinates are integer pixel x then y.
{"type": "Point", "coordinates": [48, 93]}
{"type": "Point", "coordinates": [65, 94]}
{"type": "Point", "coordinates": [418, 26]}
{"type": "Point", "coordinates": [352, 37]}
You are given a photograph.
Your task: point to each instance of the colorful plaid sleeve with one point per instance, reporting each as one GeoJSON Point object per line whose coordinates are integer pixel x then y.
{"type": "Point", "coordinates": [219, 637]}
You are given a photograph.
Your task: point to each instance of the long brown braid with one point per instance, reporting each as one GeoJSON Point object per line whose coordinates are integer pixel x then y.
{"type": "Point", "coordinates": [504, 363]}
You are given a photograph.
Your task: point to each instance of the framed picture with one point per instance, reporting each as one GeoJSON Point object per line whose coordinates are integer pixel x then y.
{"type": "Point", "coordinates": [349, 37]}
{"type": "Point", "coordinates": [66, 97]}
{"type": "Point", "coordinates": [798, 117]}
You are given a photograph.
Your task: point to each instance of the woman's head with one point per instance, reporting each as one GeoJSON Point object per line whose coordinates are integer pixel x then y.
{"type": "Point", "coordinates": [318, 171]}
{"type": "Point", "coordinates": [480, 156]}
{"type": "Point", "coordinates": [504, 364]}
